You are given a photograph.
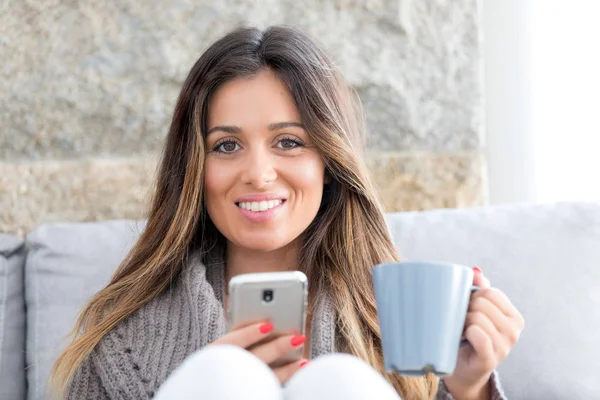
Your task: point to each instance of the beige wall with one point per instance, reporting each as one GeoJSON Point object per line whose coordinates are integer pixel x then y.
{"type": "Point", "coordinates": [87, 89]}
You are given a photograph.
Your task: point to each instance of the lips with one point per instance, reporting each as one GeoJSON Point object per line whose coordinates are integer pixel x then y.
{"type": "Point", "coordinates": [249, 198]}
{"type": "Point", "coordinates": [259, 206]}
{"type": "Point", "coordinates": [261, 216]}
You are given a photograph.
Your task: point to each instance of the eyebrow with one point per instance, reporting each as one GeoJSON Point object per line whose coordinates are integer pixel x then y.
{"type": "Point", "coordinates": [236, 129]}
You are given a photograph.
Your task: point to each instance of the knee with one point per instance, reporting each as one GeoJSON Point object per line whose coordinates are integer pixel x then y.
{"type": "Point", "coordinates": [220, 371]}
{"type": "Point", "coordinates": [339, 376]}
{"type": "Point", "coordinates": [340, 365]}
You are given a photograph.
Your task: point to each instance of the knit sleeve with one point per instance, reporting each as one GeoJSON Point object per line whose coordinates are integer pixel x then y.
{"type": "Point", "coordinates": [111, 371]}
{"type": "Point", "coordinates": [86, 384]}
{"type": "Point", "coordinates": [496, 392]}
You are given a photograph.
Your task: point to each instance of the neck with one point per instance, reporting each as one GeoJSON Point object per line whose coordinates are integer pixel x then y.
{"type": "Point", "coordinates": [244, 261]}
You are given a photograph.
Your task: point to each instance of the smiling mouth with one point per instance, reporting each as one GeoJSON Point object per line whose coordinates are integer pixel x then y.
{"type": "Point", "coordinates": [259, 206]}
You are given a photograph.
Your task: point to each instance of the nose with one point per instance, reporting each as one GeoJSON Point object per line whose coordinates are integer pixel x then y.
{"type": "Point", "coordinates": [258, 169]}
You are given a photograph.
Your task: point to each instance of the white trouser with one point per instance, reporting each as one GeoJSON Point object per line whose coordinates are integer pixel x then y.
{"type": "Point", "coordinates": [230, 373]}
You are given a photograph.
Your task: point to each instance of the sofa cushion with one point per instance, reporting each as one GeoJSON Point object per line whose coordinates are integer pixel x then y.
{"type": "Point", "coordinates": [66, 264]}
{"type": "Point", "coordinates": [546, 258]}
{"type": "Point", "coordinates": [12, 318]}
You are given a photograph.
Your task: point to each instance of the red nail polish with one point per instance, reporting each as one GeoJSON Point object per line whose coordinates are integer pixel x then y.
{"type": "Point", "coordinates": [266, 328]}
{"type": "Point", "coordinates": [303, 363]}
{"type": "Point", "coordinates": [298, 340]}
{"type": "Point", "coordinates": [476, 269]}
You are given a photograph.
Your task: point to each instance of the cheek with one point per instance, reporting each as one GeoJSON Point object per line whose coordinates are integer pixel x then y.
{"type": "Point", "coordinates": [214, 186]}
{"type": "Point", "coordinates": [310, 179]}
{"type": "Point", "coordinates": [210, 183]}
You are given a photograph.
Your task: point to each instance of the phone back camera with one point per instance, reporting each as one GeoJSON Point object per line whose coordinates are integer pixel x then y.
{"type": "Point", "coordinates": [267, 295]}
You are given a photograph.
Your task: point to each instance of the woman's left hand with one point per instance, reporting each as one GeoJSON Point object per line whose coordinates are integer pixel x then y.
{"type": "Point", "coordinates": [492, 327]}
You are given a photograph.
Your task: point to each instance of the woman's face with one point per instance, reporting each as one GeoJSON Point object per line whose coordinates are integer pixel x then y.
{"type": "Point", "coordinates": [264, 179]}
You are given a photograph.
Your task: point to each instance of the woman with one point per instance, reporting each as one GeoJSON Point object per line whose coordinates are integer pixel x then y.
{"type": "Point", "coordinates": [262, 171]}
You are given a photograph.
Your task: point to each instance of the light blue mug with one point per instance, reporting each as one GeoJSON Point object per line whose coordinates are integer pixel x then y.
{"type": "Point", "coordinates": [422, 307]}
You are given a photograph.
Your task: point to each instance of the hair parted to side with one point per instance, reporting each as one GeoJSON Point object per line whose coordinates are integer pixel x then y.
{"type": "Point", "coordinates": [340, 247]}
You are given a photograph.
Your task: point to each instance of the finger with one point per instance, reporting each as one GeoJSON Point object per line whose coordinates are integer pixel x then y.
{"type": "Point", "coordinates": [479, 279]}
{"type": "Point", "coordinates": [512, 324]}
{"type": "Point", "coordinates": [284, 373]}
{"type": "Point", "coordinates": [502, 301]}
{"type": "Point", "coordinates": [480, 302]}
{"type": "Point", "coordinates": [246, 336]}
{"type": "Point", "coordinates": [482, 344]}
{"type": "Point", "coordinates": [274, 349]}
{"type": "Point", "coordinates": [500, 344]}
{"type": "Point", "coordinates": [509, 327]}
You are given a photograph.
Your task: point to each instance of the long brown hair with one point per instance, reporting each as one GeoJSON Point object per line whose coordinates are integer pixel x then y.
{"type": "Point", "coordinates": [347, 238]}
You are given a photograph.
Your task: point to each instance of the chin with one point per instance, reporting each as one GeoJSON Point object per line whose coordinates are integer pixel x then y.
{"type": "Point", "coordinates": [264, 244]}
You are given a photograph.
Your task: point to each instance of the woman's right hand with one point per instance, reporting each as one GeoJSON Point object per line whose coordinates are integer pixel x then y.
{"type": "Point", "coordinates": [269, 351]}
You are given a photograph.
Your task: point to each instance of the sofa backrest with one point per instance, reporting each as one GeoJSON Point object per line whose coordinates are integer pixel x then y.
{"type": "Point", "coordinates": [546, 258]}
{"type": "Point", "coordinates": [66, 264]}
{"type": "Point", "coordinates": [12, 318]}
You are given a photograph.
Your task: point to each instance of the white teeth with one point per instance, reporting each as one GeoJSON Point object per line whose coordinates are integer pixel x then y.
{"type": "Point", "coordinates": [259, 205]}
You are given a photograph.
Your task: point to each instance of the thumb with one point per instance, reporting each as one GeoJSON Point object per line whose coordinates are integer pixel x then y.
{"type": "Point", "coordinates": [479, 279]}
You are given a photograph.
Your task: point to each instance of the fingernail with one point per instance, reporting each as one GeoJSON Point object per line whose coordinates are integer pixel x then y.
{"type": "Point", "coordinates": [266, 328]}
{"type": "Point", "coordinates": [476, 269]}
{"type": "Point", "coordinates": [303, 363]}
{"type": "Point", "coordinates": [298, 340]}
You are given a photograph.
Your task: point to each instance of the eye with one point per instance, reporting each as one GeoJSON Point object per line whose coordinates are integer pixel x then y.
{"type": "Point", "coordinates": [226, 146]}
{"type": "Point", "coordinates": [289, 143]}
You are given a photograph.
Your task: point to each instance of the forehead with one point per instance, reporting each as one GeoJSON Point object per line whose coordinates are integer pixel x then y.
{"type": "Point", "coordinates": [258, 100]}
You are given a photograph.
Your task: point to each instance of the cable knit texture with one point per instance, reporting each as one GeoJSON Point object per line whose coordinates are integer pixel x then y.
{"type": "Point", "coordinates": [136, 357]}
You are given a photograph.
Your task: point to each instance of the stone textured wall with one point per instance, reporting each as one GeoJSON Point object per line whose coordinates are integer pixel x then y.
{"type": "Point", "coordinates": [87, 90]}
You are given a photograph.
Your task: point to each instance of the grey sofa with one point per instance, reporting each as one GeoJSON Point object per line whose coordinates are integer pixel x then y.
{"type": "Point", "coordinates": [545, 257]}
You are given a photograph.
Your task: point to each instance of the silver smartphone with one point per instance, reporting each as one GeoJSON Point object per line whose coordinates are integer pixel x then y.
{"type": "Point", "coordinates": [279, 297]}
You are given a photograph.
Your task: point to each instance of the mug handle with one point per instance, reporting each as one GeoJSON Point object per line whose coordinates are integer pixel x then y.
{"type": "Point", "coordinates": [473, 290]}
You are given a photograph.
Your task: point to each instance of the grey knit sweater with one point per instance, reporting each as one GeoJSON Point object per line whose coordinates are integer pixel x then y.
{"type": "Point", "coordinates": [136, 357]}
